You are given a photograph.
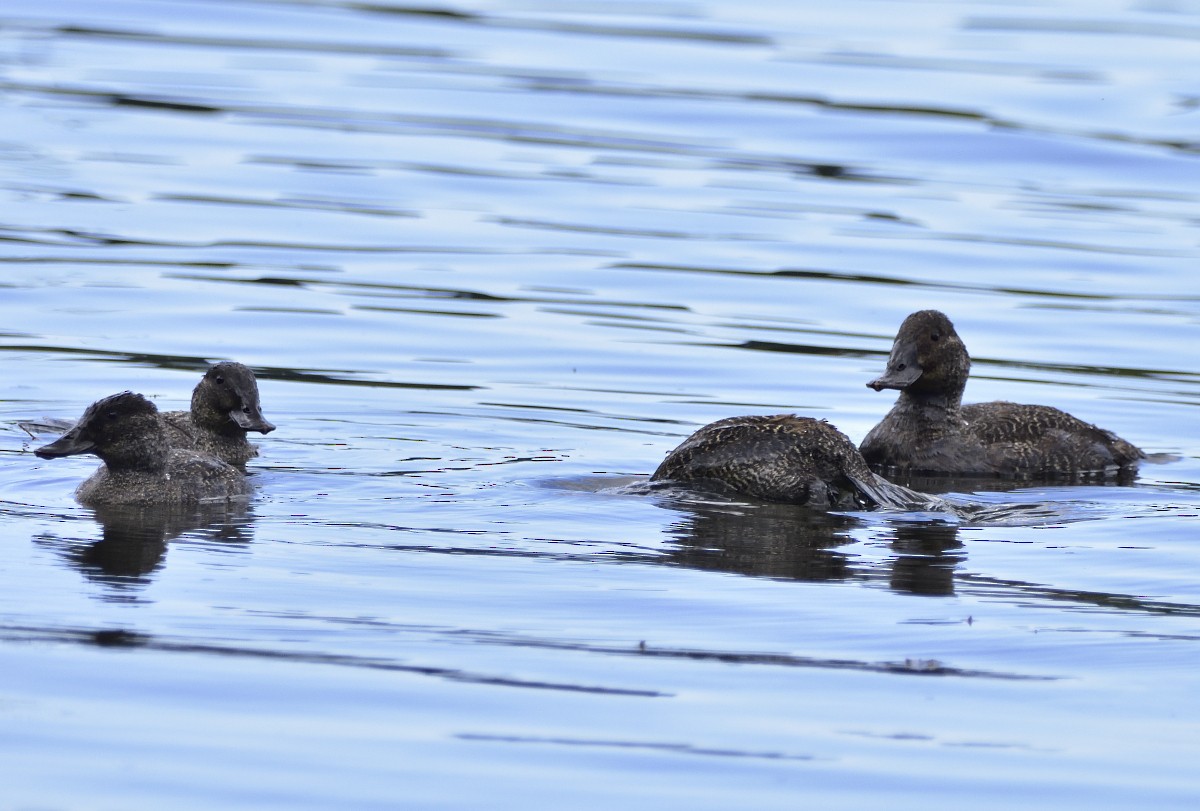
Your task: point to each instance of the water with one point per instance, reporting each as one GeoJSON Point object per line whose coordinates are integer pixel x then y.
{"type": "Point", "coordinates": [493, 260]}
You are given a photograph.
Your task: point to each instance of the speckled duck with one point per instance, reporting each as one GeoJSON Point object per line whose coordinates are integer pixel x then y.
{"type": "Point", "coordinates": [225, 407]}
{"type": "Point", "coordinates": [930, 432]}
{"type": "Point", "coordinates": [786, 458]}
{"type": "Point", "coordinates": [126, 431]}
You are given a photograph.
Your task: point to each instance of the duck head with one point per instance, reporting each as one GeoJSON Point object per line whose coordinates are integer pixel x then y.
{"type": "Point", "coordinates": [228, 393]}
{"type": "Point", "coordinates": [928, 359]}
{"type": "Point", "coordinates": [122, 429]}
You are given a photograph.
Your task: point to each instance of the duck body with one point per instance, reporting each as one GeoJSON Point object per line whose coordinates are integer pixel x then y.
{"type": "Point", "coordinates": [140, 468]}
{"type": "Point", "coordinates": [930, 432]}
{"type": "Point", "coordinates": [189, 477]}
{"type": "Point", "coordinates": [799, 460]}
{"type": "Point", "coordinates": [225, 406]}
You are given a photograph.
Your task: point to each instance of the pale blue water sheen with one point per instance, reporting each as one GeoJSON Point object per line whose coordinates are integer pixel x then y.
{"type": "Point", "coordinates": [491, 260]}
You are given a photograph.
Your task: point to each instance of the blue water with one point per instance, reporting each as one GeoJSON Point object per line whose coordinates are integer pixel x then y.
{"type": "Point", "coordinates": [491, 261]}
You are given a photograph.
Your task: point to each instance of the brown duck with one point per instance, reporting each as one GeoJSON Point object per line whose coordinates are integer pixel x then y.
{"type": "Point", "coordinates": [930, 432]}
{"type": "Point", "coordinates": [140, 468]}
{"type": "Point", "coordinates": [786, 458]}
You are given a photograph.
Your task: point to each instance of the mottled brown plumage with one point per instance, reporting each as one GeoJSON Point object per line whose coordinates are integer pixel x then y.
{"type": "Point", "coordinates": [784, 458]}
{"type": "Point", "coordinates": [140, 468]}
{"type": "Point", "coordinates": [225, 406]}
{"type": "Point", "coordinates": [930, 432]}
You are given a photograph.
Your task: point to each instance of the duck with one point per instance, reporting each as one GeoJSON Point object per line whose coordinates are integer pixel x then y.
{"type": "Point", "coordinates": [930, 432]}
{"type": "Point", "coordinates": [225, 407]}
{"type": "Point", "coordinates": [140, 467]}
{"type": "Point", "coordinates": [785, 458]}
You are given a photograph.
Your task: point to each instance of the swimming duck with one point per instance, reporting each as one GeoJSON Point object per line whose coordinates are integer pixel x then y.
{"type": "Point", "coordinates": [800, 460]}
{"type": "Point", "coordinates": [929, 431]}
{"type": "Point", "coordinates": [140, 468]}
{"type": "Point", "coordinates": [224, 407]}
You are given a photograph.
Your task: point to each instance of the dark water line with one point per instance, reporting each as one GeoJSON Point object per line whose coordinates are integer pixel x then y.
{"type": "Point", "coordinates": [183, 363]}
{"type": "Point", "coordinates": [1010, 591]}
{"type": "Point", "coordinates": [906, 668]}
{"type": "Point", "coordinates": [291, 204]}
{"type": "Point", "coordinates": [121, 262]}
{"type": "Point", "coordinates": [875, 279]}
{"type": "Point", "coordinates": [671, 748]}
{"type": "Point", "coordinates": [92, 239]}
{"type": "Point", "coordinates": [543, 84]}
{"type": "Point", "coordinates": [133, 640]}
{"type": "Point", "coordinates": [251, 43]}
{"type": "Point", "coordinates": [591, 29]}
{"type": "Point", "coordinates": [1057, 25]}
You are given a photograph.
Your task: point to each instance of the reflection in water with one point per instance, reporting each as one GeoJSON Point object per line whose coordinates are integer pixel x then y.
{"type": "Point", "coordinates": [764, 539]}
{"type": "Point", "coordinates": [134, 540]}
{"type": "Point", "coordinates": [924, 563]}
{"type": "Point", "coordinates": [786, 541]}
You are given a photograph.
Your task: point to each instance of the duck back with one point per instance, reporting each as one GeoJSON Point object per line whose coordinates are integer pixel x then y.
{"type": "Point", "coordinates": [1042, 441]}
{"type": "Point", "coordinates": [785, 458]}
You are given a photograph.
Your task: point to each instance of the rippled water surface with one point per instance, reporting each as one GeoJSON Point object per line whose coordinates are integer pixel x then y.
{"type": "Point", "coordinates": [491, 260]}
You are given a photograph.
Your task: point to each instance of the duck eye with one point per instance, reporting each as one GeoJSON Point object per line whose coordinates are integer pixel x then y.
{"type": "Point", "coordinates": [220, 380]}
{"type": "Point", "coordinates": [937, 336]}
{"type": "Point", "coordinates": [245, 409]}
{"type": "Point", "coordinates": [901, 367]}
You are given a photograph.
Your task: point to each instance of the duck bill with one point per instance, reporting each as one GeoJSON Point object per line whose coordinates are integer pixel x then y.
{"type": "Point", "coordinates": [902, 371]}
{"type": "Point", "coordinates": [69, 444]}
{"type": "Point", "coordinates": [252, 421]}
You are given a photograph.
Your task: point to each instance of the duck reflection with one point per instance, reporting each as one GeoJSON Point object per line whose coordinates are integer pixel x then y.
{"type": "Point", "coordinates": [133, 540]}
{"type": "Point", "coordinates": [766, 539]}
{"type": "Point", "coordinates": [925, 559]}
